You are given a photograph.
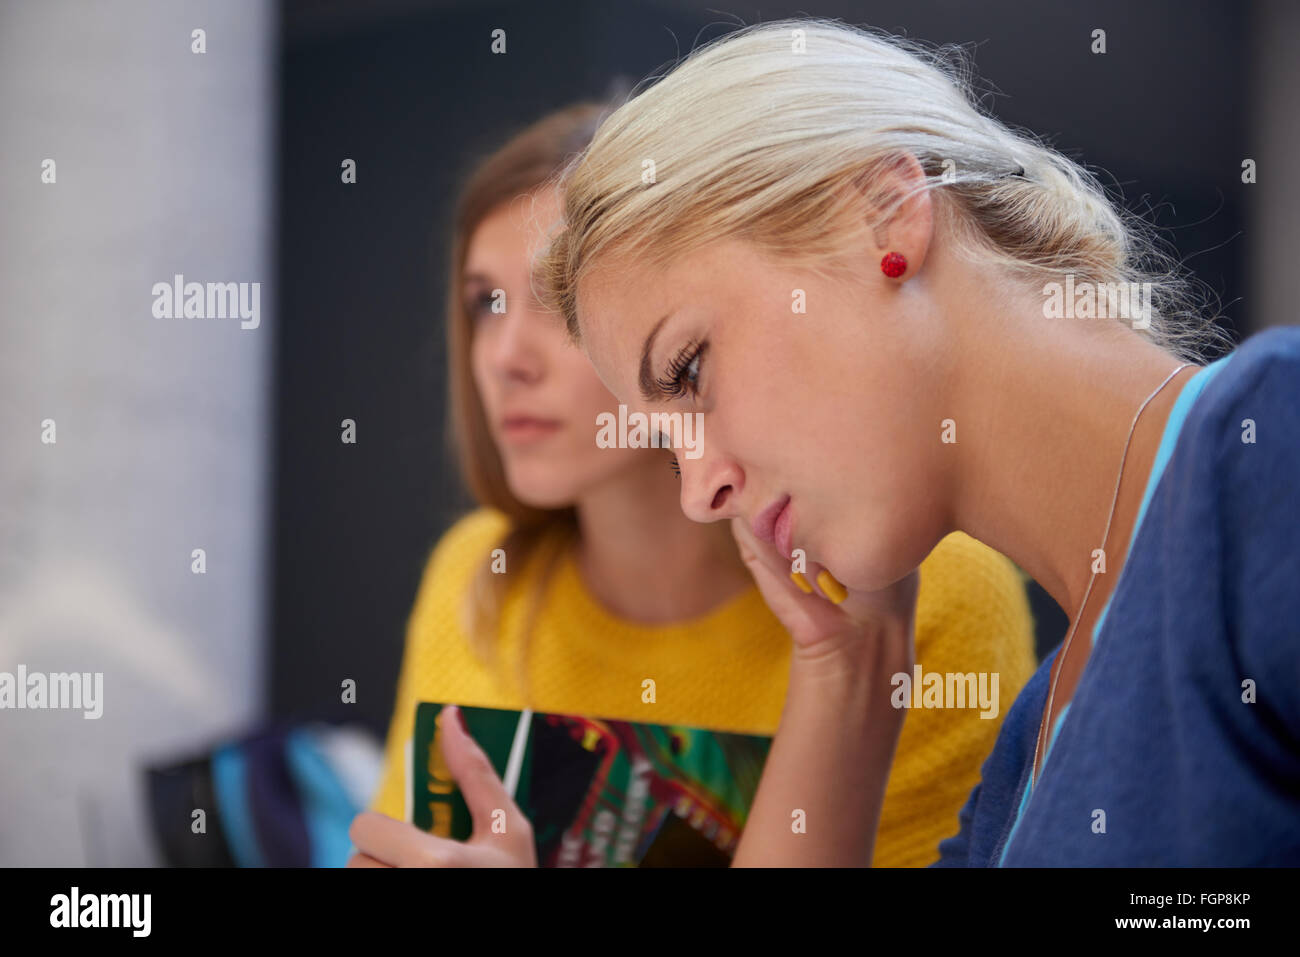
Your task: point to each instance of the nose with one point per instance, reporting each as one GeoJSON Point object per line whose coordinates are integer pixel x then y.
{"type": "Point", "coordinates": [516, 355]}
{"type": "Point", "coordinates": [711, 486]}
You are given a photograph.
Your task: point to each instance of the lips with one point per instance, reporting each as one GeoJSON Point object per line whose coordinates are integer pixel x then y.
{"type": "Point", "coordinates": [511, 421]}
{"type": "Point", "coordinates": [521, 427]}
{"type": "Point", "coordinates": [772, 525]}
{"type": "Point", "coordinates": [784, 529]}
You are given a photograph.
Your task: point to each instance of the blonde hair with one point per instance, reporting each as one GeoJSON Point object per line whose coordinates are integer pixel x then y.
{"type": "Point", "coordinates": [523, 165]}
{"type": "Point", "coordinates": [747, 138]}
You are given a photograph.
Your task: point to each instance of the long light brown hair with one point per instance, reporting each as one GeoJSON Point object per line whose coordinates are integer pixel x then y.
{"type": "Point", "coordinates": [529, 160]}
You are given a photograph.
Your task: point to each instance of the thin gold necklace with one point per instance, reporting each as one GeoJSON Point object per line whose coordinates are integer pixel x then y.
{"type": "Point", "coordinates": [1065, 648]}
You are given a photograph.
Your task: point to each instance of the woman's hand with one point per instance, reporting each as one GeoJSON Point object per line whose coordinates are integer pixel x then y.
{"type": "Point", "coordinates": [503, 836]}
{"type": "Point", "coordinates": [819, 625]}
{"type": "Point", "coordinates": [823, 785]}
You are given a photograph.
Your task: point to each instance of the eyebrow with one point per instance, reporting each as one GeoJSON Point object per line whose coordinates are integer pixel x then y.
{"type": "Point", "coordinates": [649, 388]}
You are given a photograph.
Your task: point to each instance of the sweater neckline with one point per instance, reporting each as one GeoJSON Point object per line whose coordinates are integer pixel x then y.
{"type": "Point", "coordinates": [569, 581]}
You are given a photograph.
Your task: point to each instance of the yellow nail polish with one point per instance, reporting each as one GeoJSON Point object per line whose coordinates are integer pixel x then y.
{"type": "Point", "coordinates": [832, 588]}
{"type": "Point", "coordinates": [798, 579]}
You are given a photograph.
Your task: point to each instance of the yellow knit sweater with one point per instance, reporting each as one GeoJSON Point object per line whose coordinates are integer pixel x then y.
{"type": "Point", "coordinates": [726, 670]}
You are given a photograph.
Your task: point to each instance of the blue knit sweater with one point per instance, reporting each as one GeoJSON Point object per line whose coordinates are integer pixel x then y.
{"type": "Point", "coordinates": [1181, 744]}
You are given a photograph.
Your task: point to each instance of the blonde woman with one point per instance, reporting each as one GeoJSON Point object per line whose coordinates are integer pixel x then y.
{"type": "Point", "coordinates": [606, 582]}
{"type": "Point", "coordinates": [932, 385]}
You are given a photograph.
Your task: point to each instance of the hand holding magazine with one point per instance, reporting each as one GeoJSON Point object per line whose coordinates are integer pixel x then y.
{"type": "Point", "coordinates": [597, 792]}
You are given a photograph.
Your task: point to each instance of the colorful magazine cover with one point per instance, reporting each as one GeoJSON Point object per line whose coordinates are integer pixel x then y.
{"type": "Point", "coordinates": [599, 792]}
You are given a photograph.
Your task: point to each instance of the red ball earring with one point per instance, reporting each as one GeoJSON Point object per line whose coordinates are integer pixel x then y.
{"type": "Point", "coordinates": [893, 265]}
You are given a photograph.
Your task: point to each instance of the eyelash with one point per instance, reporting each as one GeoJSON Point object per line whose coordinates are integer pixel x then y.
{"type": "Point", "coordinates": [674, 384]}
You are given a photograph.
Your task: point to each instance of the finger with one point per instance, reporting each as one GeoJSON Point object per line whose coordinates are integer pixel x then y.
{"type": "Point", "coordinates": [364, 860]}
{"type": "Point", "coordinates": [822, 582]}
{"type": "Point", "coordinates": [399, 844]}
{"type": "Point", "coordinates": [825, 586]}
{"type": "Point", "coordinates": [770, 568]}
{"type": "Point", "coordinates": [807, 615]}
{"type": "Point", "coordinates": [482, 789]}
{"type": "Point", "coordinates": [755, 552]}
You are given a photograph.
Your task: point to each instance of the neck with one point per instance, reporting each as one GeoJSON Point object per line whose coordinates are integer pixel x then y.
{"type": "Point", "coordinates": [1048, 412]}
{"type": "Point", "coordinates": [644, 560]}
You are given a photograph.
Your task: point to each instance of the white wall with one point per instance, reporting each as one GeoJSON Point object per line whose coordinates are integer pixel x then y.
{"type": "Point", "coordinates": [164, 165]}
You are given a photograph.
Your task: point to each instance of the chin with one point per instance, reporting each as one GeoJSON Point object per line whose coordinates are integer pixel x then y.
{"type": "Point", "coordinates": [860, 577]}
{"type": "Point", "coordinates": [537, 492]}
{"type": "Point", "coordinates": [874, 569]}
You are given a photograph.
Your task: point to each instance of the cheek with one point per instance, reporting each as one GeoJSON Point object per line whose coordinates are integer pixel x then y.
{"type": "Point", "coordinates": [569, 470]}
{"type": "Point", "coordinates": [585, 396]}
{"type": "Point", "coordinates": [479, 369]}
{"type": "Point", "coordinates": [885, 506]}
{"type": "Point", "coordinates": [770, 410]}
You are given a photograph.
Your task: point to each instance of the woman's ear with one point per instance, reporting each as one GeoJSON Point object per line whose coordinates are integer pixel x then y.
{"type": "Point", "coordinates": [899, 206]}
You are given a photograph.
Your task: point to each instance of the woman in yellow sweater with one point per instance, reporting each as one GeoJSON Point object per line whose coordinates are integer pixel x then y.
{"type": "Point", "coordinates": [580, 588]}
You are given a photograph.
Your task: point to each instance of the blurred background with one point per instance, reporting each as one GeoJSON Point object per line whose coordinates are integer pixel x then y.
{"type": "Point", "coordinates": [197, 531]}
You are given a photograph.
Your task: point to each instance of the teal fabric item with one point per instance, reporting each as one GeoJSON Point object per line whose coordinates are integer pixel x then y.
{"type": "Point", "coordinates": [229, 779]}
